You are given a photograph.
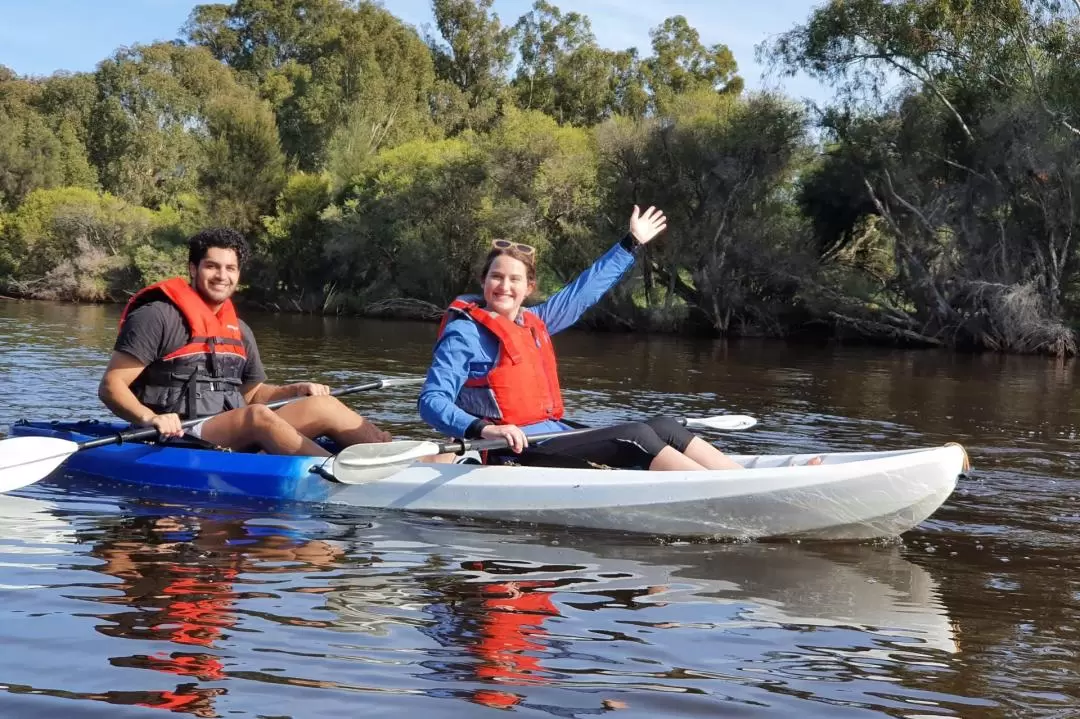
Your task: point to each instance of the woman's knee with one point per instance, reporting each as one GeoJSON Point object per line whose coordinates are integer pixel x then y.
{"type": "Point", "coordinates": [671, 431]}
{"type": "Point", "coordinates": [641, 432]}
{"type": "Point", "coordinates": [645, 437]}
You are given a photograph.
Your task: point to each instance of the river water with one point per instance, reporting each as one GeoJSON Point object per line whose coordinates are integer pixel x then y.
{"type": "Point", "coordinates": [113, 605]}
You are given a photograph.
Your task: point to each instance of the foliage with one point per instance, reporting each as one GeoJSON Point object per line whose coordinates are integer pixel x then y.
{"type": "Point", "coordinates": [720, 167]}
{"type": "Point", "coordinates": [971, 167]}
{"type": "Point", "coordinates": [933, 202]}
{"type": "Point", "coordinates": [317, 62]}
{"type": "Point", "coordinates": [74, 243]}
{"type": "Point", "coordinates": [289, 253]}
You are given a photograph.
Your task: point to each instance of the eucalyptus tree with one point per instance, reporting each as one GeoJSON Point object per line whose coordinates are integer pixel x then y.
{"type": "Point", "coordinates": [969, 160]}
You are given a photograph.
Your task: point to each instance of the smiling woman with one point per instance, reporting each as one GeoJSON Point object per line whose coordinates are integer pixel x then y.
{"type": "Point", "coordinates": [494, 372]}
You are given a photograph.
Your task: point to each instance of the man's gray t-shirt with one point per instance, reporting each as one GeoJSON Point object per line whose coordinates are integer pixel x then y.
{"type": "Point", "coordinates": [157, 329]}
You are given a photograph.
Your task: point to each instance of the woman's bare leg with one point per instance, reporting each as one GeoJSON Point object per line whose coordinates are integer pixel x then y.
{"type": "Point", "coordinates": [709, 456]}
{"type": "Point", "coordinates": [671, 459]}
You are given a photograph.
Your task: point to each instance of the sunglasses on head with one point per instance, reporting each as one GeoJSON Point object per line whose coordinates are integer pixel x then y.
{"type": "Point", "coordinates": [519, 246]}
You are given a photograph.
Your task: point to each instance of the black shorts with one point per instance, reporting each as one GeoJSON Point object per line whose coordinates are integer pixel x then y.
{"type": "Point", "coordinates": [626, 446]}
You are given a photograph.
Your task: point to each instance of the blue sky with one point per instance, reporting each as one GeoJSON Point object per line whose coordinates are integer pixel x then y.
{"type": "Point", "coordinates": [39, 37]}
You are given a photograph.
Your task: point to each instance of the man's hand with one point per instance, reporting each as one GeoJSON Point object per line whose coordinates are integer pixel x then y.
{"type": "Point", "coordinates": [167, 425]}
{"type": "Point", "coordinates": [309, 389]}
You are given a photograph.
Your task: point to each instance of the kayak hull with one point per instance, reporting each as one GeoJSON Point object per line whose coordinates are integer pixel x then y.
{"type": "Point", "coordinates": [153, 465]}
{"type": "Point", "coordinates": [850, 496]}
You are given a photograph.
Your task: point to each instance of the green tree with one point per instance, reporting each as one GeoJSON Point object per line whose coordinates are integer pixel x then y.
{"type": "Point", "coordinates": [245, 168]}
{"type": "Point", "coordinates": [291, 260]}
{"type": "Point", "coordinates": [76, 244]}
{"type": "Point", "coordinates": [414, 223]}
{"type": "Point", "coordinates": [38, 148]}
{"type": "Point", "coordinates": [966, 164]}
{"type": "Point", "coordinates": [680, 63]}
{"type": "Point", "coordinates": [564, 73]}
{"type": "Point", "coordinates": [317, 61]}
{"type": "Point", "coordinates": [722, 168]}
{"type": "Point", "coordinates": [171, 121]}
{"type": "Point", "coordinates": [472, 56]}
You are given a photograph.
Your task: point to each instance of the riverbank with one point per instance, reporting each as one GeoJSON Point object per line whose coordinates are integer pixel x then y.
{"type": "Point", "coordinates": [837, 328]}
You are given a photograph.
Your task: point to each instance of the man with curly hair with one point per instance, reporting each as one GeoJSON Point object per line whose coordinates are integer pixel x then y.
{"type": "Point", "coordinates": [182, 353]}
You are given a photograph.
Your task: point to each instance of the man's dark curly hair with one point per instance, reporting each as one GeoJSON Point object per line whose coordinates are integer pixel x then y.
{"type": "Point", "coordinates": [221, 237]}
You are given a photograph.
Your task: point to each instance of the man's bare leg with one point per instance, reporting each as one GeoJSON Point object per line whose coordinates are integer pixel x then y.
{"type": "Point", "coordinates": [258, 425]}
{"type": "Point", "coordinates": [318, 416]}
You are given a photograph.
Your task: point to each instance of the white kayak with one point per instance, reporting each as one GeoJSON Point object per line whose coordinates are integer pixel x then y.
{"type": "Point", "coordinates": [849, 496]}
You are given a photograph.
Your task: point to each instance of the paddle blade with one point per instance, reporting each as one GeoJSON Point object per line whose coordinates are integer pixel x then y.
{"type": "Point", "coordinates": [25, 460]}
{"type": "Point", "coordinates": [722, 422]}
{"type": "Point", "coordinates": [361, 463]}
{"type": "Point", "coordinates": [378, 454]}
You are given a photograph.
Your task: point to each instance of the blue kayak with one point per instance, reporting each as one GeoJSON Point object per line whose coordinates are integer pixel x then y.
{"type": "Point", "coordinates": [186, 467]}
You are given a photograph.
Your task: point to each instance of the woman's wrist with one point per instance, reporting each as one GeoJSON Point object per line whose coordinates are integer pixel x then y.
{"type": "Point", "coordinates": [476, 429]}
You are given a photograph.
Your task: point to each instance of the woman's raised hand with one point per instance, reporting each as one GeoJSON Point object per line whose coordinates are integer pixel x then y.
{"type": "Point", "coordinates": [511, 432]}
{"type": "Point", "coordinates": [646, 225]}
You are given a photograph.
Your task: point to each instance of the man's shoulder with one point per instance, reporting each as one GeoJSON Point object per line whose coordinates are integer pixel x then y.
{"type": "Point", "coordinates": [155, 309]}
{"type": "Point", "coordinates": [245, 330]}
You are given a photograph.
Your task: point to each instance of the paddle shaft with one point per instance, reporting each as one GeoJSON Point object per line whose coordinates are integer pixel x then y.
{"type": "Point", "coordinates": [147, 432]}
{"type": "Point", "coordinates": [480, 445]}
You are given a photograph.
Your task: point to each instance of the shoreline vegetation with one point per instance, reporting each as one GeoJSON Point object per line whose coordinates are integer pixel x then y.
{"type": "Point", "coordinates": [933, 202]}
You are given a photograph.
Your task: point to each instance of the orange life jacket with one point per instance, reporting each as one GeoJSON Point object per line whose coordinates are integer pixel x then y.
{"type": "Point", "coordinates": [524, 383]}
{"type": "Point", "coordinates": [204, 376]}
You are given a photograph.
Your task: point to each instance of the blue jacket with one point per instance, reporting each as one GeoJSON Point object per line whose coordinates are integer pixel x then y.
{"type": "Point", "coordinates": [467, 350]}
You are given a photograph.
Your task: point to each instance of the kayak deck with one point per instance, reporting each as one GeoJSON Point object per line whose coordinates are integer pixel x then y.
{"type": "Point", "coordinates": [850, 496]}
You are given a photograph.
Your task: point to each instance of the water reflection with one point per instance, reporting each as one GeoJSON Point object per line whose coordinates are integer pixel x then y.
{"type": "Point", "coordinates": [208, 610]}
{"type": "Point", "coordinates": [514, 618]}
{"type": "Point", "coordinates": [180, 581]}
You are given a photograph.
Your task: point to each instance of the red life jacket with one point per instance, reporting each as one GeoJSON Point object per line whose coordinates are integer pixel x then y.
{"type": "Point", "coordinates": [204, 376]}
{"type": "Point", "coordinates": [512, 633]}
{"type": "Point", "coordinates": [177, 702]}
{"type": "Point", "coordinates": [524, 382]}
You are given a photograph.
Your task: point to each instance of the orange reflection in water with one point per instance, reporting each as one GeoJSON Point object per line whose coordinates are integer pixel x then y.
{"type": "Point", "coordinates": [185, 570]}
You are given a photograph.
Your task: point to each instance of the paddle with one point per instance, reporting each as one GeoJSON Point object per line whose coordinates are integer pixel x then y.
{"type": "Point", "coordinates": [25, 460]}
{"type": "Point", "coordinates": [362, 463]}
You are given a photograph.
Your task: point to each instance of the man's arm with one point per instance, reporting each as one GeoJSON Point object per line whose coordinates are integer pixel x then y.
{"type": "Point", "coordinates": [264, 392]}
{"type": "Point", "coordinates": [115, 391]}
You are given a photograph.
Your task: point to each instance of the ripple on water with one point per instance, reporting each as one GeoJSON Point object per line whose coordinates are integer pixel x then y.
{"type": "Point", "coordinates": [219, 611]}
{"type": "Point", "coordinates": [113, 603]}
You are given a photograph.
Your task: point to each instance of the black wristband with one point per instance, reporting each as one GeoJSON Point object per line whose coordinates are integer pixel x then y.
{"type": "Point", "coordinates": [473, 430]}
{"type": "Point", "coordinates": [629, 243]}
